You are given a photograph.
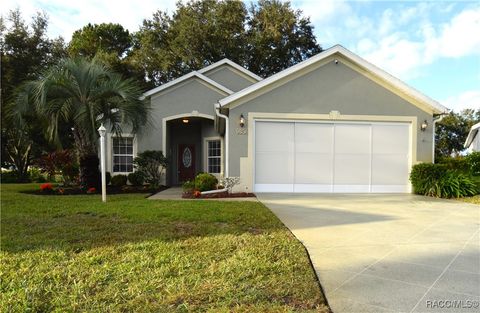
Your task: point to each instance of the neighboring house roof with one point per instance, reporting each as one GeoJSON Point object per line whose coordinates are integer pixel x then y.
{"type": "Point", "coordinates": [360, 64]}
{"type": "Point", "coordinates": [232, 64]}
{"type": "Point", "coordinates": [194, 74]}
{"type": "Point", "coordinates": [471, 135]}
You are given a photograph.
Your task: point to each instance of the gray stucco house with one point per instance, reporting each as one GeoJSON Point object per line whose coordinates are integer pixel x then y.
{"type": "Point", "coordinates": [333, 123]}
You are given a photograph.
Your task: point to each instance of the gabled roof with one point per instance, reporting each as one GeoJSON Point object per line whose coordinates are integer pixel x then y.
{"type": "Point", "coordinates": [183, 78]}
{"type": "Point", "coordinates": [232, 64]}
{"type": "Point", "coordinates": [398, 85]}
{"type": "Point", "coordinates": [474, 131]}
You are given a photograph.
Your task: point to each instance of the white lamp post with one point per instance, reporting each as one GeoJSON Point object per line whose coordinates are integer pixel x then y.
{"type": "Point", "coordinates": [102, 131]}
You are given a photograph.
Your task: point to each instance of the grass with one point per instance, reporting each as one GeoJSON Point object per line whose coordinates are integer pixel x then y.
{"type": "Point", "coordinates": [474, 199]}
{"type": "Point", "coordinates": [74, 253]}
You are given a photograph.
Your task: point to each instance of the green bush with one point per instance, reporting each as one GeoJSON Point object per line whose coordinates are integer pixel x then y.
{"type": "Point", "coordinates": [136, 178]}
{"type": "Point", "coordinates": [458, 164]}
{"type": "Point", "coordinates": [188, 186]}
{"type": "Point", "coordinates": [437, 180]}
{"type": "Point", "coordinates": [108, 178]}
{"type": "Point", "coordinates": [473, 162]}
{"type": "Point", "coordinates": [152, 164]}
{"type": "Point", "coordinates": [119, 180]}
{"type": "Point", "coordinates": [205, 182]}
{"type": "Point", "coordinates": [36, 175]}
{"type": "Point", "coordinates": [9, 177]}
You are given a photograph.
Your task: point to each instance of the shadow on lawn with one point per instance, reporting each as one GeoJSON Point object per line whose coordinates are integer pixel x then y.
{"type": "Point", "coordinates": [84, 230]}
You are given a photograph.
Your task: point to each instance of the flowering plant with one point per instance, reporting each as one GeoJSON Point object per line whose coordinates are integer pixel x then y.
{"type": "Point", "coordinates": [197, 194]}
{"type": "Point", "coordinates": [47, 187]}
{"type": "Point", "coordinates": [91, 190]}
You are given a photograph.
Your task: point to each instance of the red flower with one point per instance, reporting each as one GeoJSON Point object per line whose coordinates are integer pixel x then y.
{"type": "Point", "coordinates": [91, 190]}
{"type": "Point", "coordinates": [46, 187]}
{"type": "Point", "coordinates": [197, 194]}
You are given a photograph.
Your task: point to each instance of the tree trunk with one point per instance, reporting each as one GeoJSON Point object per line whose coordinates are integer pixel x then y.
{"type": "Point", "coordinates": [89, 173]}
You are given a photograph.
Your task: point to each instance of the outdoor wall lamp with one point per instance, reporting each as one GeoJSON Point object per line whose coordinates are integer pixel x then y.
{"type": "Point", "coordinates": [424, 126]}
{"type": "Point", "coordinates": [242, 121]}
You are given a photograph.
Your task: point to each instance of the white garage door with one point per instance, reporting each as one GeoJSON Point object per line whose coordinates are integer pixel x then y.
{"type": "Point", "coordinates": [331, 157]}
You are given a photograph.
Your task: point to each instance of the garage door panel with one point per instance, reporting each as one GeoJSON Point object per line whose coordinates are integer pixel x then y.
{"type": "Point", "coordinates": [390, 139]}
{"type": "Point", "coordinates": [313, 168]}
{"type": "Point", "coordinates": [313, 154]}
{"type": "Point", "coordinates": [389, 169]}
{"type": "Point", "coordinates": [274, 169]}
{"type": "Point", "coordinates": [313, 138]}
{"type": "Point", "coordinates": [352, 138]}
{"type": "Point", "coordinates": [352, 169]}
{"type": "Point", "coordinates": [274, 137]}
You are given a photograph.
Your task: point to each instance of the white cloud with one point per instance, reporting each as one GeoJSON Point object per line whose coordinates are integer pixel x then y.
{"type": "Point", "coordinates": [67, 16]}
{"type": "Point", "coordinates": [461, 36]}
{"type": "Point", "coordinates": [322, 11]}
{"type": "Point", "coordinates": [466, 100]}
{"type": "Point", "coordinates": [403, 53]}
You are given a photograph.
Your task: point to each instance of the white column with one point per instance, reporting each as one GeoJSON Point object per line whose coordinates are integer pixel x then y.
{"type": "Point", "coordinates": [102, 131]}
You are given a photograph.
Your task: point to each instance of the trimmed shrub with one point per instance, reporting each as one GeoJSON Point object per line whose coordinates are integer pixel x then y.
{"type": "Point", "coordinates": [473, 162]}
{"type": "Point", "coordinates": [119, 180]}
{"type": "Point", "coordinates": [136, 178]}
{"type": "Point", "coordinates": [205, 182]}
{"type": "Point", "coordinates": [188, 186]}
{"type": "Point", "coordinates": [437, 180]}
{"type": "Point", "coordinates": [458, 164]}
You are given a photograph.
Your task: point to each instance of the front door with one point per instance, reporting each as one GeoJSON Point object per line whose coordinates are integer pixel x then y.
{"type": "Point", "coordinates": [186, 162]}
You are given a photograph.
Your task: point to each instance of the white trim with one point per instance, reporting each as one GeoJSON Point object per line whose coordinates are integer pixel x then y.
{"type": "Point", "coordinates": [471, 135]}
{"type": "Point", "coordinates": [232, 64]}
{"type": "Point", "coordinates": [337, 49]}
{"type": "Point", "coordinates": [183, 78]}
{"type": "Point", "coordinates": [205, 154]}
{"type": "Point", "coordinates": [227, 133]}
{"type": "Point", "coordinates": [109, 144]}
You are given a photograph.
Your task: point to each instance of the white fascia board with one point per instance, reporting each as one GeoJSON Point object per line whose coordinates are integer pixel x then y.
{"type": "Point", "coordinates": [471, 135]}
{"type": "Point", "coordinates": [437, 107]}
{"type": "Point", "coordinates": [183, 78]}
{"type": "Point", "coordinates": [232, 64]}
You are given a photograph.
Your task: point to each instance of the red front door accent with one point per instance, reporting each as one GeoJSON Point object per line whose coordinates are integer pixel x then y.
{"type": "Point", "coordinates": [186, 162]}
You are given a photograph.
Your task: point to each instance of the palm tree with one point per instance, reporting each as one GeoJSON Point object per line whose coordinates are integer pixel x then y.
{"type": "Point", "coordinates": [84, 94]}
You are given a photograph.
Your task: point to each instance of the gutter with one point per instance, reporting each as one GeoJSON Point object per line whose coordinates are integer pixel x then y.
{"type": "Point", "coordinates": [217, 112]}
{"type": "Point", "coordinates": [437, 118]}
{"type": "Point", "coordinates": [214, 191]}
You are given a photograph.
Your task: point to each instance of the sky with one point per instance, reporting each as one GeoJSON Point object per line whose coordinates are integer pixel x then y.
{"type": "Point", "coordinates": [434, 46]}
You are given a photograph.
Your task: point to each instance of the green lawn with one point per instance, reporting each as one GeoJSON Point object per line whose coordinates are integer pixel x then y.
{"type": "Point", "coordinates": [74, 253]}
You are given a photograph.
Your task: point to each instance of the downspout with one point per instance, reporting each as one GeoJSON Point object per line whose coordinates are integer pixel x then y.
{"type": "Point", "coordinates": [436, 119]}
{"type": "Point", "coordinates": [217, 111]}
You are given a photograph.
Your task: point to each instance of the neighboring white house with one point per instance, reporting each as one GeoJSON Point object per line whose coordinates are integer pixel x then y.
{"type": "Point", "coordinates": [473, 139]}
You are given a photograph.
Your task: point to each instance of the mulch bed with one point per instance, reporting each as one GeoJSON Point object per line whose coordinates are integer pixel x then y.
{"type": "Point", "coordinates": [111, 190]}
{"type": "Point", "coordinates": [225, 194]}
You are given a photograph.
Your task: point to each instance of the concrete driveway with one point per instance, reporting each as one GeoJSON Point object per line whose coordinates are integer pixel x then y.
{"type": "Point", "coordinates": [388, 253]}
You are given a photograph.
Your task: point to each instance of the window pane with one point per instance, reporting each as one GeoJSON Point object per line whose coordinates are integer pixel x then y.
{"type": "Point", "coordinates": [122, 154]}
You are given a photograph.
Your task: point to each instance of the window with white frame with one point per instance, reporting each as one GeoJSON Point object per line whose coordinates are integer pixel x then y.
{"type": "Point", "coordinates": [214, 156]}
{"type": "Point", "coordinates": [122, 153]}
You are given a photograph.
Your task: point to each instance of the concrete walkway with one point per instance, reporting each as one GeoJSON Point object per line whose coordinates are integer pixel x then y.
{"type": "Point", "coordinates": [175, 193]}
{"type": "Point", "coordinates": [388, 253]}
